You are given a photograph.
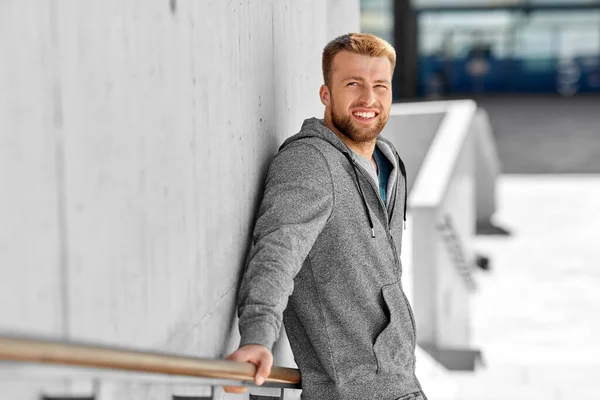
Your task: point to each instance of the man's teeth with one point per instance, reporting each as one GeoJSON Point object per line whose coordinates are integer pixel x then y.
{"type": "Point", "coordinates": [365, 114]}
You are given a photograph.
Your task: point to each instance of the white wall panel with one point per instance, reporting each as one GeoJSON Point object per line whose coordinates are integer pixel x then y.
{"type": "Point", "coordinates": [32, 231]}
{"type": "Point", "coordinates": [134, 141]}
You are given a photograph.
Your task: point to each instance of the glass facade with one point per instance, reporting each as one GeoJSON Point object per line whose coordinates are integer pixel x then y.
{"type": "Point", "coordinates": [508, 51]}
{"type": "Point", "coordinates": [494, 3]}
{"type": "Point", "coordinates": [542, 34]}
{"type": "Point", "coordinates": [377, 17]}
{"type": "Point", "coordinates": [500, 50]}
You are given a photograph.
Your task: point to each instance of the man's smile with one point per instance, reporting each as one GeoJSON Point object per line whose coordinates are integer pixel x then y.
{"type": "Point", "coordinates": [365, 115]}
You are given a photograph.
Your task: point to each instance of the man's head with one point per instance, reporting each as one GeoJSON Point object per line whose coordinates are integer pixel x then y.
{"type": "Point", "coordinates": [357, 93]}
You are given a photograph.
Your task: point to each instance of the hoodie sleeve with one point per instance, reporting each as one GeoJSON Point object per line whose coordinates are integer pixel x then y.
{"type": "Point", "coordinates": [297, 202]}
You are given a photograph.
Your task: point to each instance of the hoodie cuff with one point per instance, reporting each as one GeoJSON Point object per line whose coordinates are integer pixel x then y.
{"type": "Point", "coordinates": [256, 332]}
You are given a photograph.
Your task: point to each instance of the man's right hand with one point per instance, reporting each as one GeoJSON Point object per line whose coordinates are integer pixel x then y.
{"type": "Point", "coordinates": [256, 354]}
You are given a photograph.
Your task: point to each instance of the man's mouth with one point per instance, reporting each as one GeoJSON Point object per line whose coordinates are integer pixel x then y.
{"type": "Point", "coordinates": [365, 114]}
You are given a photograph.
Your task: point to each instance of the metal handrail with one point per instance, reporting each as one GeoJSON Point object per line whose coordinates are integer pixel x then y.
{"type": "Point", "coordinates": [63, 353]}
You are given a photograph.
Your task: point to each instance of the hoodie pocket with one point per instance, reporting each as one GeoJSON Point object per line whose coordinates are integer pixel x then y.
{"type": "Point", "coordinates": [394, 347]}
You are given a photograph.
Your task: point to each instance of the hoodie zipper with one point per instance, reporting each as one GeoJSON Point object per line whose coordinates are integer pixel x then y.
{"type": "Point", "coordinates": [388, 231]}
{"type": "Point", "coordinates": [402, 171]}
{"type": "Point", "coordinates": [368, 177]}
{"type": "Point", "coordinates": [362, 194]}
{"type": "Point", "coordinates": [391, 240]}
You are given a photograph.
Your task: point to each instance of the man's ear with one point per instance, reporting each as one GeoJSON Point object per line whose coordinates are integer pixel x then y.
{"type": "Point", "coordinates": [325, 95]}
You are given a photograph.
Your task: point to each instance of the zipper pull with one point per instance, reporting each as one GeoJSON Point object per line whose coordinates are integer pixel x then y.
{"type": "Point", "coordinates": [372, 232]}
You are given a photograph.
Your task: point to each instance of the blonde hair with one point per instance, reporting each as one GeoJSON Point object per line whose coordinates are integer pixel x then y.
{"type": "Point", "coordinates": [358, 43]}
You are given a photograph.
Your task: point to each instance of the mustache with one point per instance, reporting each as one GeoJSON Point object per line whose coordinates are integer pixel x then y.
{"type": "Point", "coordinates": [378, 108]}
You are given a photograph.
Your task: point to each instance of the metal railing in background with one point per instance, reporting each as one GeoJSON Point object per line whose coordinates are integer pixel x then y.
{"type": "Point", "coordinates": [22, 355]}
{"type": "Point", "coordinates": [457, 252]}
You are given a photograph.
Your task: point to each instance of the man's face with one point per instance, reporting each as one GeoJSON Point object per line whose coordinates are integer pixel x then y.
{"type": "Point", "coordinates": [359, 96]}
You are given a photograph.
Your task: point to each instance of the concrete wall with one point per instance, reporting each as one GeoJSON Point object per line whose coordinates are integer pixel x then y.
{"type": "Point", "coordinates": [445, 188]}
{"type": "Point", "coordinates": [488, 169]}
{"type": "Point", "coordinates": [134, 139]}
{"type": "Point", "coordinates": [452, 326]}
{"type": "Point", "coordinates": [452, 166]}
{"type": "Point", "coordinates": [411, 128]}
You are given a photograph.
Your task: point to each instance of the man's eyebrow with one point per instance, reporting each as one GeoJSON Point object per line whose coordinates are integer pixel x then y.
{"type": "Point", "coordinates": [383, 81]}
{"type": "Point", "coordinates": [354, 78]}
{"type": "Point", "coordinates": [358, 78]}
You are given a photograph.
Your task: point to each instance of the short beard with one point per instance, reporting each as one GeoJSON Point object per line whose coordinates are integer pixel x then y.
{"type": "Point", "coordinates": [343, 123]}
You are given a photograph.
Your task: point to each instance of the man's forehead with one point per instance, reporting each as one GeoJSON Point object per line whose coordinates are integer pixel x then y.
{"type": "Point", "coordinates": [352, 64]}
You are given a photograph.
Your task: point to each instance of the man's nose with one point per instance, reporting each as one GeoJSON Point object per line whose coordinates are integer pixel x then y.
{"type": "Point", "coordinates": [367, 96]}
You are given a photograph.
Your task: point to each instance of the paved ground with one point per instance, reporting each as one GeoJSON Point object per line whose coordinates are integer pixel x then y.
{"type": "Point", "coordinates": [537, 314]}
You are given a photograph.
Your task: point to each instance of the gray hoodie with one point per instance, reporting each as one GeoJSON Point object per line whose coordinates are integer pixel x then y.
{"type": "Point", "coordinates": [326, 262]}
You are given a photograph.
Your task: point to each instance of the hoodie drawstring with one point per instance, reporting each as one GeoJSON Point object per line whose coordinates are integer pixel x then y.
{"type": "Point", "coordinates": [362, 194]}
{"type": "Point", "coordinates": [403, 170]}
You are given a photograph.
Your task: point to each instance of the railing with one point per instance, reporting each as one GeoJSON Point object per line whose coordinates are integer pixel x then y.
{"type": "Point", "coordinates": [20, 354]}
{"type": "Point", "coordinates": [457, 252]}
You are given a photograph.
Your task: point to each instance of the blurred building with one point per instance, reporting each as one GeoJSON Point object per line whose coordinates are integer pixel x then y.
{"type": "Point", "coordinates": [481, 47]}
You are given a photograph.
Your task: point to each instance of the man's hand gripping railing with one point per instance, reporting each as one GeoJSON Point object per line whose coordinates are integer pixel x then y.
{"type": "Point", "coordinates": [232, 371]}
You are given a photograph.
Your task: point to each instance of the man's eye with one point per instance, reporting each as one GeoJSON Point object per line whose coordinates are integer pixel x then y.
{"type": "Point", "coordinates": [381, 86]}
{"type": "Point", "coordinates": [352, 84]}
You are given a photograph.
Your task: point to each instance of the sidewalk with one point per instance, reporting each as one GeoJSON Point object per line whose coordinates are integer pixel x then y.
{"type": "Point", "coordinates": [536, 315]}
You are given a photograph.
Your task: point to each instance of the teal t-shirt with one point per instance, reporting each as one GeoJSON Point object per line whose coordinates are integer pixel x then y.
{"type": "Point", "coordinates": [383, 171]}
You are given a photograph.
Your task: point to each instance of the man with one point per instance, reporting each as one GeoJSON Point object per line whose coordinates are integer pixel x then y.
{"type": "Point", "coordinates": [327, 241]}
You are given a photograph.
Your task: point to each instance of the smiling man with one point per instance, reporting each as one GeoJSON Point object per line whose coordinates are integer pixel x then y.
{"type": "Point", "coordinates": [327, 241]}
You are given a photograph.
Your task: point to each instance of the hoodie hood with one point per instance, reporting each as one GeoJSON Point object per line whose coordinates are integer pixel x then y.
{"type": "Point", "coordinates": [316, 128]}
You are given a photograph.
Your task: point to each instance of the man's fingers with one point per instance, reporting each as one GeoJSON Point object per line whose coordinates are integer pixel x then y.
{"type": "Point", "coordinates": [257, 355]}
{"type": "Point", "coordinates": [240, 356]}
{"type": "Point", "coordinates": [235, 389]}
{"type": "Point", "coordinates": [264, 368]}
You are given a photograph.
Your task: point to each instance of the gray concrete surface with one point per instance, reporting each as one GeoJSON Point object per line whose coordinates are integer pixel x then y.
{"type": "Point", "coordinates": [134, 141]}
{"type": "Point", "coordinates": [536, 315]}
